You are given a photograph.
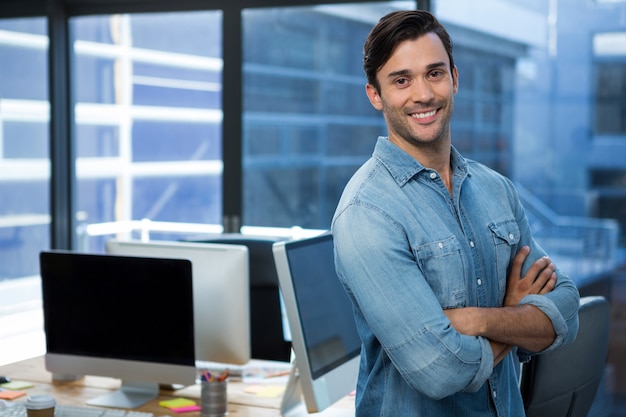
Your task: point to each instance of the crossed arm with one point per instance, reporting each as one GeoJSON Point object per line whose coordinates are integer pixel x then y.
{"type": "Point", "coordinates": [511, 325]}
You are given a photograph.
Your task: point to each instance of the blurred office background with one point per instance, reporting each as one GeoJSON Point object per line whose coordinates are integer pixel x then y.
{"type": "Point", "coordinates": [170, 120]}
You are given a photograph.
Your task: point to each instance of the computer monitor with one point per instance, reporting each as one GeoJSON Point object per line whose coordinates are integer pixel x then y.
{"type": "Point", "coordinates": [269, 332]}
{"type": "Point", "coordinates": [324, 336]}
{"type": "Point", "coordinates": [112, 316]}
{"type": "Point", "coordinates": [220, 291]}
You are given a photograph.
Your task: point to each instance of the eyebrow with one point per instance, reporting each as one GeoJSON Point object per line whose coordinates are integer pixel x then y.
{"type": "Point", "coordinates": [429, 67]}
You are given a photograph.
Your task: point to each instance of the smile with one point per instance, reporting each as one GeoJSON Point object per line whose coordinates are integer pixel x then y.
{"type": "Point", "coordinates": [423, 115]}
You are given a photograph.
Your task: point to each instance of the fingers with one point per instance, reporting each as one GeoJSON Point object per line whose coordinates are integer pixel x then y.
{"type": "Point", "coordinates": [547, 280]}
{"type": "Point", "coordinates": [540, 265]}
{"type": "Point", "coordinates": [544, 280]}
{"type": "Point", "coordinates": [518, 261]}
{"type": "Point", "coordinates": [549, 285]}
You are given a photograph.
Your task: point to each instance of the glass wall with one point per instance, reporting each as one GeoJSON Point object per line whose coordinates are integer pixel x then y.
{"type": "Point", "coordinates": [148, 120]}
{"type": "Point", "coordinates": [24, 174]}
{"type": "Point", "coordinates": [24, 164]}
{"type": "Point", "coordinates": [307, 124]}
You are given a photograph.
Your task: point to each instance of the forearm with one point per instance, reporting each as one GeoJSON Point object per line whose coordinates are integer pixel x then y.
{"type": "Point", "coordinates": [499, 350]}
{"type": "Point", "coordinates": [524, 326]}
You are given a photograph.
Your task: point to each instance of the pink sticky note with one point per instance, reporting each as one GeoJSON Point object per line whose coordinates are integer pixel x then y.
{"type": "Point", "coordinates": [186, 409]}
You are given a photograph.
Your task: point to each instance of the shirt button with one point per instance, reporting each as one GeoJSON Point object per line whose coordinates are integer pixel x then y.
{"type": "Point", "coordinates": [433, 175]}
{"type": "Point", "coordinates": [471, 243]}
{"type": "Point", "coordinates": [479, 281]}
{"type": "Point", "coordinates": [440, 245]}
{"type": "Point", "coordinates": [495, 394]}
{"type": "Point", "coordinates": [511, 236]}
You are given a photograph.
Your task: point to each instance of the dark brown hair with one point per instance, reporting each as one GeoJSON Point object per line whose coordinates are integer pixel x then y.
{"type": "Point", "coordinates": [397, 27]}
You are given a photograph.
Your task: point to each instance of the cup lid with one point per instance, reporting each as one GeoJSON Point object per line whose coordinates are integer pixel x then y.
{"type": "Point", "coordinates": [40, 402]}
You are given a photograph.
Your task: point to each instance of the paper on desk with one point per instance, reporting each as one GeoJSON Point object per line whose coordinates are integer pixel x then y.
{"type": "Point", "coordinates": [177, 403]}
{"type": "Point", "coordinates": [17, 385]}
{"type": "Point", "coordinates": [186, 409]}
{"type": "Point", "coordinates": [266, 391]}
{"type": "Point", "coordinates": [10, 395]}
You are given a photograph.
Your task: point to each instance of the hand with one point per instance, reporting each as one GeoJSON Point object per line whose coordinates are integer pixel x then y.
{"type": "Point", "coordinates": [540, 278]}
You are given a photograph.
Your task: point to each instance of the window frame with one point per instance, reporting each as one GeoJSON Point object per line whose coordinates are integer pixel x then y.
{"type": "Point", "coordinates": [62, 152]}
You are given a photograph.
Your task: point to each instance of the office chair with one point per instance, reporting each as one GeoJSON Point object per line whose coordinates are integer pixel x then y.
{"type": "Point", "coordinates": [266, 319]}
{"type": "Point", "coordinates": [563, 383]}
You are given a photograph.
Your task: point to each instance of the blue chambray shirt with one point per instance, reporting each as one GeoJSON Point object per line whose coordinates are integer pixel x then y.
{"type": "Point", "coordinates": [405, 249]}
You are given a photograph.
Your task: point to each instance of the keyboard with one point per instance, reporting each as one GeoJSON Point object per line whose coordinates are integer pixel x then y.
{"type": "Point", "coordinates": [19, 410]}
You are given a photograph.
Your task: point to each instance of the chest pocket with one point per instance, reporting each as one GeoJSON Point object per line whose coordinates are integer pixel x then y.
{"type": "Point", "coordinates": [506, 236]}
{"type": "Point", "coordinates": [442, 264]}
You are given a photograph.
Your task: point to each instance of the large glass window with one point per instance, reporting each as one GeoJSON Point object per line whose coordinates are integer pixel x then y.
{"type": "Point", "coordinates": [307, 124]}
{"type": "Point", "coordinates": [148, 120]}
{"type": "Point", "coordinates": [611, 96]}
{"type": "Point", "coordinates": [24, 179]}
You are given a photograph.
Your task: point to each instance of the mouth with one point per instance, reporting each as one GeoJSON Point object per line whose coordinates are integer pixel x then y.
{"type": "Point", "coordinates": [423, 115]}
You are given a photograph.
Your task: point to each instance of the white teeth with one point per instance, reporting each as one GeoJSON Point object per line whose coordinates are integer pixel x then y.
{"type": "Point", "coordinates": [423, 115]}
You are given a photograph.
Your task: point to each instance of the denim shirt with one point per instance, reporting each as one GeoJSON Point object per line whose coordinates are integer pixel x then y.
{"type": "Point", "coordinates": [405, 250]}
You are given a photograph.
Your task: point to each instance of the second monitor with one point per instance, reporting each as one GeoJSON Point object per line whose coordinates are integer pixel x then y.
{"type": "Point", "coordinates": [269, 331]}
{"type": "Point", "coordinates": [220, 294]}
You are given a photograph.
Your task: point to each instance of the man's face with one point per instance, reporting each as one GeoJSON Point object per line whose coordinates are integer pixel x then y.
{"type": "Point", "coordinates": [417, 89]}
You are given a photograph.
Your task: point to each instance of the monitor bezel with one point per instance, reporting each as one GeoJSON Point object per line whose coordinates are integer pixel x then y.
{"type": "Point", "coordinates": [333, 383]}
{"type": "Point", "coordinates": [140, 377]}
{"type": "Point", "coordinates": [221, 295]}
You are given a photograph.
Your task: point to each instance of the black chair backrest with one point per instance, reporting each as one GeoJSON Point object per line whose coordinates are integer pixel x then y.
{"type": "Point", "coordinates": [563, 383]}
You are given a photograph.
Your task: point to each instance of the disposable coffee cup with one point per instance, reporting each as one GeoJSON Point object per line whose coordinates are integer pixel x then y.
{"type": "Point", "coordinates": [214, 402]}
{"type": "Point", "coordinates": [40, 406]}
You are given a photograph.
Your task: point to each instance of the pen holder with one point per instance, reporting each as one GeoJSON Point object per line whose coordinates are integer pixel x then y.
{"type": "Point", "coordinates": [214, 401]}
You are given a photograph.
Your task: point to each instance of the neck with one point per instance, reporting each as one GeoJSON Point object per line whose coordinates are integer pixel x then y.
{"type": "Point", "coordinates": [436, 158]}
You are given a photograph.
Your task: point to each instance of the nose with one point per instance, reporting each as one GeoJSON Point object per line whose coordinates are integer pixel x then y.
{"type": "Point", "coordinates": [421, 91]}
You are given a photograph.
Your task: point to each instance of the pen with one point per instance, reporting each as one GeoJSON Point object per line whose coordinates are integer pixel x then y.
{"type": "Point", "coordinates": [223, 376]}
{"type": "Point", "coordinates": [277, 374]}
{"type": "Point", "coordinates": [206, 375]}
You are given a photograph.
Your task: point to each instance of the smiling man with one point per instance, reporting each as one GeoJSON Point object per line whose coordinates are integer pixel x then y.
{"type": "Point", "coordinates": [449, 287]}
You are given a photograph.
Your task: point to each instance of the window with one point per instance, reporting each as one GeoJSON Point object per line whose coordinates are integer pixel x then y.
{"type": "Point", "coordinates": [611, 98]}
{"type": "Point", "coordinates": [148, 119]}
{"type": "Point", "coordinates": [307, 122]}
{"type": "Point", "coordinates": [24, 176]}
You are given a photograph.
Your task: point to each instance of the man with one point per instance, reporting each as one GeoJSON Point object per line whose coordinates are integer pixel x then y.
{"type": "Point", "coordinates": [449, 288]}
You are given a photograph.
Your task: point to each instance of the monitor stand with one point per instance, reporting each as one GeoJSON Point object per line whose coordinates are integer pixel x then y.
{"type": "Point", "coordinates": [129, 395]}
{"type": "Point", "coordinates": [292, 404]}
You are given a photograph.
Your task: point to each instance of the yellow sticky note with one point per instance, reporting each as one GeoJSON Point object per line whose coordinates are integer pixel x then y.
{"type": "Point", "coordinates": [271, 391]}
{"type": "Point", "coordinates": [177, 403]}
{"type": "Point", "coordinates": [17, 385]}
{"type": "Point", "coordinates": [253, 389]}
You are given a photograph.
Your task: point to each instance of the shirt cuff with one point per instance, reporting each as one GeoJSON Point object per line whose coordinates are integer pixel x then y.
{"type": "Point", "coordinates": [552, 312]}
{"type": "Point", "coordinates": [486, 366]}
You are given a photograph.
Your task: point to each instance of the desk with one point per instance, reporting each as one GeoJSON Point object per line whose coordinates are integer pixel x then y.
{"type": "Point", "coordinates": [240, 403]}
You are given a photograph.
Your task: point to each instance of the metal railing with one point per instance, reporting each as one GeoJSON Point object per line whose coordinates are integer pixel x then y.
{"type": "Point", "coordinates": [585, 248]}
{"type": "Point", "coordinates": [145, 228]}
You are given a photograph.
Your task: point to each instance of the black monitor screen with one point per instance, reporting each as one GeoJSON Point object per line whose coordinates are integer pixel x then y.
{"type": "Point", "coordinates": [118, 307]}
{"type": "Point", "coordinates": [326, 315]}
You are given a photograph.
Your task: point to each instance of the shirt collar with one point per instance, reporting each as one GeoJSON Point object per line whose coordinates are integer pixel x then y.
{"type": "Point", "coordinates": [403, 166]}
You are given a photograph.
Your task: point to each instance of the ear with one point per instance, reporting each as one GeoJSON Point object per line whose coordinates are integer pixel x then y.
{"type": "Point", "coordinates": [374, 97]}
{"type": "Point", "coordinates": [455, 80]}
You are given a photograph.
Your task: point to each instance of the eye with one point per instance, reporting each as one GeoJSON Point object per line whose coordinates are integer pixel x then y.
{"type": "Point", "coordinates": [436, 73]}
{"type": "Point", "coordinates": [402, 82]}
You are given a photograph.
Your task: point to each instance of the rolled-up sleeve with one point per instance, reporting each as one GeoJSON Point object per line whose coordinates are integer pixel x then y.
{"type": "Point", "coordinates": [561, 307]}
{"type": "Point", "coordinates": [398, 312]}
{"type": "Point", "coordinates": [561, 304]}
